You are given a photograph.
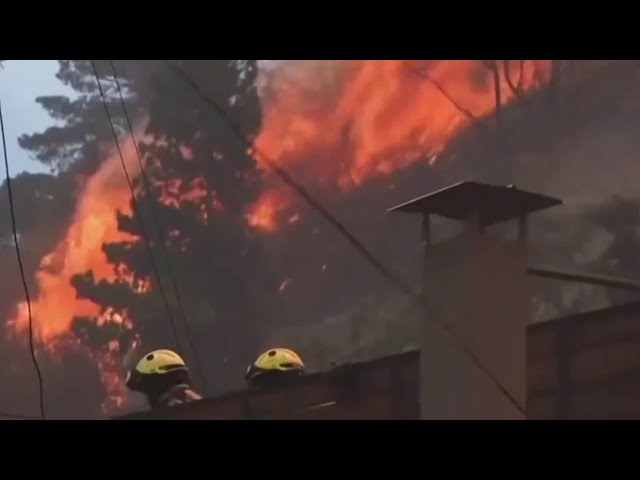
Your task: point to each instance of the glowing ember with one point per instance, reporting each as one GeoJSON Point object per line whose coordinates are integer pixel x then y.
{"type": "Point", "coordinates": [285, 284]}
{"type": "Point", "coordinates": [93, 224]}
{"type": "Point", "coordinates": [294, 218]}
{"type": "Point", "coordinates": [263, 214]}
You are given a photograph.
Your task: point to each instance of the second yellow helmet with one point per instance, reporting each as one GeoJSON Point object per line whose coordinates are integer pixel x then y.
{"type": "Point", "coordinates": [160, 362]}
{"type": "Point", "coordinates": [156, 363]}
{"type": "Point", "coordinates": [275, 360]}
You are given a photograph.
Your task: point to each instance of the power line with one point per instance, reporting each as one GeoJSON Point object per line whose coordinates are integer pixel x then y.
{"type": "Point", "coordinates": [160, 231]}
{"type": "Point", "coordinates": [136, 212]}
{"type": "Point", "coordinates": [293, 184]}
{"type": "Point", "coordinates": [243, 138]}
{"type": "Point", "coordinates": [21, 267]}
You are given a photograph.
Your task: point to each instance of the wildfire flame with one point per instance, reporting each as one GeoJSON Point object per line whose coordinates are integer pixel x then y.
{"type": "Point", "coordinates": [337, 124]}
{"type": "Point", "coordinates": [94, 223]}
{"type": "Point", "coordinates": [331, 124]}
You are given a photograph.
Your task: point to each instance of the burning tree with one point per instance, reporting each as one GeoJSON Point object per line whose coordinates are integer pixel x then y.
{"type": "Point", "coordinates": [96, 288]}
{"type": "Point", "coordinates": [343, 140]}
{"type": "Point", "coordinates": [72, 148]}
{"type": "Point", "coordinates": [211, 266]}
{"type": "Point", "coordinates": [80, 137]}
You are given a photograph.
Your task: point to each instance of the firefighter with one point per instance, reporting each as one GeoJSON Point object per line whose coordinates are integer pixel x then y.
{"type": "Point", "coordinates": [163, 377]}
{"type": "Point", "coordinates": [276, 366]}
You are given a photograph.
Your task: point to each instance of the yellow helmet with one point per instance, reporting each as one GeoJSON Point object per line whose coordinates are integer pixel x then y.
{"type": "Point", "coordinates": [273, 361]}
{"type": "Point", "coordinates": [158, 362]}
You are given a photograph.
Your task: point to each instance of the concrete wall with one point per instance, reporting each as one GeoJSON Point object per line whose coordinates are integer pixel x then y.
{"type": "Point", "coordinates": [581, 367]}
{"type": "Point", "coordinates": [382, 389]}
{"type": "Point", "coordinates": [477, 286]}
{"type": "Point", "coordinates": [586, 366]}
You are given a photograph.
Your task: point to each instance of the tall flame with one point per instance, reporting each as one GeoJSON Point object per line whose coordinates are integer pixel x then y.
{"type": "Point", "coordinates": [332, 124]}
{"type": "Point", "coordinates": [338, 124]}
{"type": "Point", "coordinates": [94, 223]}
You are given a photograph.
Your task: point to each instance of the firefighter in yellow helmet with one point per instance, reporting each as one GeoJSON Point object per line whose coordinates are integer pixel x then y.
{"type": "Point", "coordinates": [276, 366]}
{"type": "Point", "coordinates": [163, 377]}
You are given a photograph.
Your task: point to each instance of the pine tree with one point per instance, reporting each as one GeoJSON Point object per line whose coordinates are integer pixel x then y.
{"type": "Point", "coordinates": [43, 206]}
{"type": "Point", "coordinates": [81, 137]}
{"type": "Point", "coordinates": [202, 180]}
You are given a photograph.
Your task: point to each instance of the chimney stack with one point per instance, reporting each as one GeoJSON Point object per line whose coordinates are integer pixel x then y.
{"type": "Point", "coordinates": [476, 286]}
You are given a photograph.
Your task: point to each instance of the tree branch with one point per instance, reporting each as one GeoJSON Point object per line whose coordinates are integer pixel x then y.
{"type": "Point", "coordinates": [516, 89]}
{"type": "Point", "coordinates": [556, 66]}
{"type": "Point", "coordinates": [492, 65]}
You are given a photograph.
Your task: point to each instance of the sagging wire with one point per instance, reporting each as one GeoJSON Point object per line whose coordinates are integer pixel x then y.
{"type": "Point", "coordinates": [159, 228]}
{"type": "Point", "coordinates": [416, 297]}
{"type": "Point", "coordinates": [22, 275]}
{"type": "Point", "coordinates": [293, 184]}
{"type": "Point", "coordinates": [136, 212]}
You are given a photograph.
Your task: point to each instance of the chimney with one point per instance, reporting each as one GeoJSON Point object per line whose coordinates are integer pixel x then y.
{"type": "Point", "coordinates": [477, 303]}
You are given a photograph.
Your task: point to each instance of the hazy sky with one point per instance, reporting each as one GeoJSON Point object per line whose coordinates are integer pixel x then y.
{"type": "Point", "coordinates": [21, 81]}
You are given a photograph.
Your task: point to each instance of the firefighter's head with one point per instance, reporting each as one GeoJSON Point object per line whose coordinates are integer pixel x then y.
{"type": "Point", "coordinates": [157, 371]}
{"type": "Point", "coordinates": [275, 364]}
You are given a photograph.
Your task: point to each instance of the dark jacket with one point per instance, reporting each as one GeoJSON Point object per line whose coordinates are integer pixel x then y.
{"type": "Point", "coordinates": [177, 395]}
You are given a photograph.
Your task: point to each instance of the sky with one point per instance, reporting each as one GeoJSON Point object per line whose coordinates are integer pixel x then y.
{"type": "Point", "coordinates": [21, 81]}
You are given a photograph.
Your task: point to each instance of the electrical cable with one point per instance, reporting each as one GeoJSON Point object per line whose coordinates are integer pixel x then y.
{"type": "Point", "coordinates": [159, 231]}
{"type": "Point", "coordinates": [136, 212]}
{"type": "Point", "coordinates": [302, 192]}
{"type": "Point", "coordinates": [293, 184]}
{"type": "Point", "coordinates": [21, 267]}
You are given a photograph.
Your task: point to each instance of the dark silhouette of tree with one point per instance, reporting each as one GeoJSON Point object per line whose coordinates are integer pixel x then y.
{"type": "Point", "coordinates": [494, 68]}
{"type": "Point", "coordinates": [73, 148]}
{"type": "Point", "coordinates": [516, 88]}
{"type": "Point", "coordinates": [81, 135]}
{"type": "Point", "coordinates": [202, 181]}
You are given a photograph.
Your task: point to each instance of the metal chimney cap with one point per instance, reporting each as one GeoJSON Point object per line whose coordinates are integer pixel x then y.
{"type": "Point", "coordinates": [494, 203]}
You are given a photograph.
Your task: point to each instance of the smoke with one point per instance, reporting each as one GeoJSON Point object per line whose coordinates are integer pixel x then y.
{"type": "Point", "coordinates": [311, 82]}
{"type": "Point", "coordinates": [79, 250]}
{"type": "Point", "coordinates": [338, 124]}
{"type": "Point", "coordinates": [579, 145]}
{"type": "Point", "coordinates": [363, 136]}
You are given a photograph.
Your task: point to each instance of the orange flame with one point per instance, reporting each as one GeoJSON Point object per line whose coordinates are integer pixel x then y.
{"type": "Point", "coordinates": [94, 223]}
{"type": "Point", "coordinates": [263, 215]}
{"type": "Point", "coordinates": [332, 124]}
{"type": "Point", "coordinates": [340, 123]}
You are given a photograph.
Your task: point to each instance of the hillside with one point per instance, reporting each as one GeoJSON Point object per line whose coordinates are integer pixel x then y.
{"type": "Point", "coordinates": [580, 145]}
